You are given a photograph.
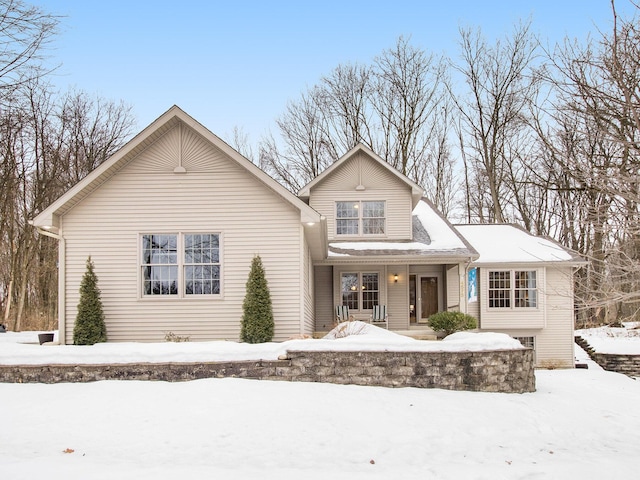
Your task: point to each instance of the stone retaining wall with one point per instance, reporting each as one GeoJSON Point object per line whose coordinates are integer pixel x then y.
{"type": "Point", "coordinates": [494, 371]}
{"type": "Point", "coordinates": [614, 362]}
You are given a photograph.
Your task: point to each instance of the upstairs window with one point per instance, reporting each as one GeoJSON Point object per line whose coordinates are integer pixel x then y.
{"type": "Point", "coordinates": [373, 218]}
{"type": "Point", "coordinates": [360, 218]}
{"type": "Point", "coordinates": [347, 218]}
{"type": "Point", "coordinates": [513, 289]}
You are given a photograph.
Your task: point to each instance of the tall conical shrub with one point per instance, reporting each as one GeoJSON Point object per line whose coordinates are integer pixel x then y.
{"type": "Point", "coordinates": [257, 317]}
{"type": "Point", "coordinates": [89, 327]}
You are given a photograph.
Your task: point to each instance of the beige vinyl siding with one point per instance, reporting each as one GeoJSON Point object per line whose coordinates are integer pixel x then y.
{"type": "Point", "coordinates": [453, 287]}
{"type": "Point", "coordinates": [379, 184]}
{"type": "Point", "coordinates": [554, 345]}
{"type": "Point", "coordinates": [398, 297]}
{"type": "Point", "coordinates": [497, 318]}
{"type": "Point", "coordinates": [308, 307]}
{"type": "Point", "coordinates": [554, 342]}
{"type": "Point", "coordinates": [214, 196]}
{"type": "Point", "coordinates": [324, 303]}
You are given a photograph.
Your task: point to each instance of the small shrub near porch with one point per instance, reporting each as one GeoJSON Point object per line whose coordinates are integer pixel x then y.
{"type": "Point", "coordinates": [451, 322]}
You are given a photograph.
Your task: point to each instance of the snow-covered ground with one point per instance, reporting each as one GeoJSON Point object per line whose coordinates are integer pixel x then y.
{"type": "Point", "coordinates": [578, 424]}
{"type": "Point", "coordinates": [614, 340]}
{"type": "Point", "coordinates": [23, 348]}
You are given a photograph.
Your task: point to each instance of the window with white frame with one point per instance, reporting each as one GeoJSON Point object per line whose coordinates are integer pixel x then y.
{"type": "Point", "coordinates": [347, 218]}
{"type": "Point", "coordinates": [525, 291]}
{"type": "Point", "coordinates": [360, 290]}
{"type": "Point", "coordinates": [360, 218]}
{"type": "Point", "coordinates": [513, 289]}
{"type": "Point", "coordinates": [528, 342]}
{"type": "Point", "coordinates": [373, 218]}
{"type": "Point", "coordinates": [181, 264]}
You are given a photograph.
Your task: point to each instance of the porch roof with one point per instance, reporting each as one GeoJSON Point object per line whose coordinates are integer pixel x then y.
{"type": "Point", "coordinates": [433, 237]}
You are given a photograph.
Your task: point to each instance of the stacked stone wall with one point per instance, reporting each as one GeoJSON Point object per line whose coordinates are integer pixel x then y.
{"type": "Point", "coordinates": [627, 364]}
{"type": "Point", "coordinates": [494, 371]}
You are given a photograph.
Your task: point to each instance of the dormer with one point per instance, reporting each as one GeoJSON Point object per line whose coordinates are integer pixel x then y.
{"type": "Point", "coordinates": [363, 198]}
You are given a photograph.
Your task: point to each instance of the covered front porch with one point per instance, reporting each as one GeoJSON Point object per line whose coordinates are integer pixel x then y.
{"type": "Point", "coordinates": [411, 291]}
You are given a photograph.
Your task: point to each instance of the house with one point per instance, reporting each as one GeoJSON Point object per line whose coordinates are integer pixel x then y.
{"type": "Point", "coordinates": [173, 219]}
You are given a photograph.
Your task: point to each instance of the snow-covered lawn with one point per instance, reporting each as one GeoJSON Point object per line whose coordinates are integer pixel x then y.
{"type": "Point", "coordinates": [578, 424]}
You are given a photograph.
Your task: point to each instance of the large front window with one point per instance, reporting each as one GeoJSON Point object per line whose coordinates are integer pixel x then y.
{"type": "Point", "coordinates": [360, 218]}
{"type": "Point", "coordinates": [360, 290]}
{"type": "Point", "coordinates": [517, 288]}
{"type": "Point", "coordinates": [181, 264]}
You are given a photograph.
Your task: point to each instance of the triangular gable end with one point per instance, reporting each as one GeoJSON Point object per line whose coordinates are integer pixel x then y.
{"type": "Point", "coordinates": [47, 219]}
{"type": "Point", "coordinates": [416, 191]}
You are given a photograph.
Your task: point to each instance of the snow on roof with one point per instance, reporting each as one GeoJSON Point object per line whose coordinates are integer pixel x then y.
{"type": "Point", "coordinates": [443, 235]}
{"type": "Point", "coordinates": [432, 235]}
{"type": "Point", "coordinates": [502, 243]}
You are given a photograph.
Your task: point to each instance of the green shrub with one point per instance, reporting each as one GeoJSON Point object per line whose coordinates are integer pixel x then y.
{"type": "Point", "coordinates": [257, 317]}
{"type": "Point", "coordinates": [450, 322]}
{"type": "Point", "coordinates": [89, 327]}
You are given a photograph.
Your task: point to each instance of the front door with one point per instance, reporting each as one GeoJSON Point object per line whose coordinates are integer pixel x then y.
{"type": "Point", "coordinates": [428, 297]}
{"type": "Point", "coordinates": [423, 297]}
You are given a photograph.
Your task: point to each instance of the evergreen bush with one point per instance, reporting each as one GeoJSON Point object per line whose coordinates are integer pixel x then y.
{"type": "Point", "coordinates": [89, 327]}
{"type": "Point", "coordinates": [450, 322]}
{"type": "Point", "coordinates": [257, 317]}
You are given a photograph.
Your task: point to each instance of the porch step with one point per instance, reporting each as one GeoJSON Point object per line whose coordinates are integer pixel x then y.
{"type": "Point", "coordinates": [417, 333]}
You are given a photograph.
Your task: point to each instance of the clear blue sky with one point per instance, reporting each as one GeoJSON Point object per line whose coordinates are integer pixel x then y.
{"type": "Point", "coordinates": [237, 62]}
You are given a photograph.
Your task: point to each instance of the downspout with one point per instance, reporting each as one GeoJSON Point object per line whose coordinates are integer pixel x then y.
{"type": "Point", "coordinates": [61, 282]}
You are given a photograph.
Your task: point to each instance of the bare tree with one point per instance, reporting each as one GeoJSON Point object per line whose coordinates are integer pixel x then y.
{"type": "Point", "coordinates": [594, 146]}
{"type": "Point", "coordinates": [46, 145]}
{"type": "Point", "coordinates": [409, 90]}
{"type": "Point", "coordinates": [397, 107]}
{"type": "Point", "coordinates": [344, 97]}
{"type": "Point", "coordinates": [240, 142]}
{"type": "Point", "coordinates": [308, 149]}
{"type": "Point", "coordinates": [500, 86]}
{"type": "Point", "coordinates": [24, 32]}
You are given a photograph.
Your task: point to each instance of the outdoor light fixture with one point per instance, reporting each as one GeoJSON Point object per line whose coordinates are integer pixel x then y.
{"type": "Point", "coordinates": [395, 278]}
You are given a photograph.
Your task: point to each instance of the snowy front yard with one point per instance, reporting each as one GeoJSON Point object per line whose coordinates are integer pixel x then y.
{"type": "Point", "coordinates": [579, 424]}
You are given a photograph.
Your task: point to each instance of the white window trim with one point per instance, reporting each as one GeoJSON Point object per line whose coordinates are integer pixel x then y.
{"type": "Point", "coordinates": [512, 289]}
{"type": "Point", "coordinates": [360, 219]}
{"type": "Point", "coordinates": [360, 273]}
{"type": "Point", "coordinates": [181, 295]}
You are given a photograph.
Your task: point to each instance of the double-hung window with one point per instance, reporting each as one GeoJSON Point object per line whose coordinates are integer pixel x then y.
{"type": "Point", "coordinates": [181, 264]}
{"type": "Point", "coordinates": [513, 289]}
{"type": "Point", "coordinates": [360, 218]}
{"type": "Point", "coordinates": [360, 290]}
